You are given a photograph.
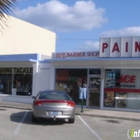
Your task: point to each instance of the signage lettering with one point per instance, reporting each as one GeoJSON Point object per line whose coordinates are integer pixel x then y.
{"type": "Point", "coordinates": [126, 47]}
{"type": "Point", "coordinates": [16, 70]}
{"type": "Point", "coordinates": [6, 70]}
{"type": "Point", "coordinates": [115, 48]}
{"type": "Point", "coordinates": [23, 70]}
{"type": "Point", "coordinates": [137, 47]}
{"type": "Point", "coordinates": [120, 47]}
{"type": "Point", "coordinates": [105, 45]}
{"type": "Point", "coordinates": [127, 79]}
{"type": "Point", "coordinates": [75, 54]}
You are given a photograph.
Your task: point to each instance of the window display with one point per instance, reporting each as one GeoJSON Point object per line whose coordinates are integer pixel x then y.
{"type": "Point", "coordinates": [70, 80]}
{"type": "Point", "coordinates": [122, 88]}
{"type": "Point", "coordinates": [16, 81]}
{"type": "Point", "coordinates": [23, 84]}
{"type": "Point", "coordinates": [109, 99]}
{"type": "Point", "coordinates": [5, 83]}
{"type": "Point", "coordinates": [94, 91]}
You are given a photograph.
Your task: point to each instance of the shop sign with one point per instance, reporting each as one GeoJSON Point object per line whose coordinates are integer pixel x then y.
{"type": "Point", "coordinates": [75, 54]}
{"type": "Point", "coordinates": [23, 70]}
{"type": "Point", "coordinates": [20, 70]}
{"type": "Point", "coordinates": [127, 81]}
{"type": "Point", "coordinates": [120, 47]}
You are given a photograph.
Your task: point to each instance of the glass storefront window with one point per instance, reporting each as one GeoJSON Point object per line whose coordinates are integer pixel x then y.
{"type": "Point", "coordinates": [5, 83]}
{"type": "Point", "coordinates": [17, 79]}
{"type": "Point", "coordinates": [70, 80]}
{"type": "Point", "coordinates": [122, 88]}
{"type": "Point", "coordinates": [23, 84]}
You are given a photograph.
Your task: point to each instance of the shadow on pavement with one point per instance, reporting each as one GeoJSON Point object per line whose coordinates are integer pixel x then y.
{"type": "Point", "coordinates": [113, 121]}
{"type": "Point", "coordinates": [18, 117]}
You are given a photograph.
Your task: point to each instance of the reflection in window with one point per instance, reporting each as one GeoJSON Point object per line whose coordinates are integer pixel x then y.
{"type": "Point", "coordinates": [70, 80]}
{"type": "Point", "coordinates": [122, 88]}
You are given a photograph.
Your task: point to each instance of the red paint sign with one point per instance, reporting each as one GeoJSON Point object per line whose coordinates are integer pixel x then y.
{"type": "Point", "coordinates": [120, 47]}
{"type": "Point", "coordinates": [116, 47]}
{"type": "Point", "coordinates": [127, 79]}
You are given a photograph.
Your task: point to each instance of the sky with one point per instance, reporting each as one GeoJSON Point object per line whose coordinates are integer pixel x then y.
{"type": "Point", "coordinates": [79, 24]}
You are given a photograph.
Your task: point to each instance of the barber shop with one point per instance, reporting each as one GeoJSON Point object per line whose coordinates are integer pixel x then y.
{"type": "Point", "coordinates": [105, 79]}
{"type": "Point", "coordinates": [110, 76]}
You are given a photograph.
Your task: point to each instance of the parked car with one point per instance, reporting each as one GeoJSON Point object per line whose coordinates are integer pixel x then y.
{"type": "Point", "coordinates": [53, 104]}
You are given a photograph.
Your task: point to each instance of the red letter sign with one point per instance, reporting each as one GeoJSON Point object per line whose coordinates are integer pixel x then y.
{"type": "Point", "coordinates": [126, 47]}
{"type": "Point", "coordinates": [127, 79]}
{"type": "Point", "coordinates": [115, 48]}
{"type": "Point", "coordinates": [137, 46]}
{"type": "Point", "coordinates": [104, 46]}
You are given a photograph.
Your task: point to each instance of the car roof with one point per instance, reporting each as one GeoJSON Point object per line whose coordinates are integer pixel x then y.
{"type": "Point", "coordinates": [53, 91]}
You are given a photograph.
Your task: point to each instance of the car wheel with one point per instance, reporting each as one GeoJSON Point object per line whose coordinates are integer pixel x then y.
{"type": "Point", "coordinates": [34, 119]}
{"type": "Point", "coordinates": [72, 120]}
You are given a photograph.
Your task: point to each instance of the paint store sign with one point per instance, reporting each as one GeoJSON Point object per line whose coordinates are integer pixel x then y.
{"type": "Point", "coordinates": [16, 70]}
{"type": "Point", "coordinates": [120, 47]}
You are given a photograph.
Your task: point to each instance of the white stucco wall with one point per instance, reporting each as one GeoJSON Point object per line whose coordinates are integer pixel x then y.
{"type": "Point", "coordinates": [42, 79]}
{"type": "Point", "coordinates": [21, 37]}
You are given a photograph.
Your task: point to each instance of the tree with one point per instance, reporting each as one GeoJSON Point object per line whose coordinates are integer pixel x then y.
{"type": "Point", "coordinates": [6, 6]}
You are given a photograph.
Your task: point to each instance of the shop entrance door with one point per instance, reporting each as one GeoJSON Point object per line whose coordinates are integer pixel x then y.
{"type": "Point", "coordinates": [94, 91]}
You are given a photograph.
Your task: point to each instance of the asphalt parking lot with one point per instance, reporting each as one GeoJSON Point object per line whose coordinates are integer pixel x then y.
{"type": "Point", "coordinates": [16, 124]}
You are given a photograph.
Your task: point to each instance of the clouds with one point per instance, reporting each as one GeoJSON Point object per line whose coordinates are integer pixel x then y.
{"type": "Point", "coordinates": [130, 31]}
{"type": "Point", "coordinates": [57, 16]}
{"type": "Point", "coordinates": [125, 32]}
{"type": "Point", "coordinates": [89, 46]}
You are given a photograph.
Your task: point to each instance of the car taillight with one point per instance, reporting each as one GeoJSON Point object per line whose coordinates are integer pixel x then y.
{"type": "Point", "coordinates": [70, 103]}
{"type": "Point", "coordinates": [38, 103]}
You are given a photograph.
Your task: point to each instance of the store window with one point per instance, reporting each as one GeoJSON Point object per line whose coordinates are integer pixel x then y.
{"type": "Point", "coordinates": [122, 88]}
{"type": "Point", "coordinates": [5, 83]}
{"type": "Point", "coordinates": [23, 84]}
{"type": "Point", "coordinates": [71, 80]}
{"type": "Point", "coordinates": [16, 81]}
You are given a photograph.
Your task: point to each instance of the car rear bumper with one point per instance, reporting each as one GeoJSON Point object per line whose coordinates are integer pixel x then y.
{"type": "Point", "coordinates": [54, 113]}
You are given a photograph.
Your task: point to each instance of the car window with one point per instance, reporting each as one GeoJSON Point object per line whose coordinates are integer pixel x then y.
{"type": "Point", "coordinates": [54, 95]}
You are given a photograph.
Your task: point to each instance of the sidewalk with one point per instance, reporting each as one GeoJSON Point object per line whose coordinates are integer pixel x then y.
{"type": "Point", "coordinates": [135, 116]}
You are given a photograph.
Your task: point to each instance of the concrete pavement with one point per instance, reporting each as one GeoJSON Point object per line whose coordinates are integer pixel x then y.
{"type": "Point", "coordinates": [135, 116]}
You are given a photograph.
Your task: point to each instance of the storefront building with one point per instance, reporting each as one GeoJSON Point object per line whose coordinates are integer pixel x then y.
{"type": "Point", "coordinates": [19, 79]}
{"type": "Point", "coordinates": [22, 46]}
{"type": "Point", "coordinates": [105, 79]}
{"type": "Point", "coordinates": [111, 76]}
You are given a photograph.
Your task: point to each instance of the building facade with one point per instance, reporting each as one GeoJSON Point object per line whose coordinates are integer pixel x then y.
{"type": "Point", "coordinates": [111, 76]}
{"type": "Point", "coordinates": [22, 46]}
{"type": "Point", "coordinates": [106, 79]}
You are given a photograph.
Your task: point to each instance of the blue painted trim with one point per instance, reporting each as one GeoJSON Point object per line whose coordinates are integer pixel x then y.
{"type": "Point", "coordinates": [91, 59]}
{"type": "Point", "coordinates": [19, 57]}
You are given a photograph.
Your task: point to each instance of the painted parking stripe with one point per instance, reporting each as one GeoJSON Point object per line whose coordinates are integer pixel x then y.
{"type": "Point", "coordinates": [93, 132]}
{"type": "Point", "coordinates": [20, 124]}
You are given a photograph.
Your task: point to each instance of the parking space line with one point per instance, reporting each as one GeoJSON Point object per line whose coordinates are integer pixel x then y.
{"type": "Point", "coordinates": [20, 124]}
{"type": "Point", "coordinates": [93, 132]}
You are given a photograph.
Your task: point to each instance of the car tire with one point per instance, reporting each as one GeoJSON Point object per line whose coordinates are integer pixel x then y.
{"type": "Point", "coordinates": [34, 119]}
{"type": "Point", "coordinates": [72, 120]}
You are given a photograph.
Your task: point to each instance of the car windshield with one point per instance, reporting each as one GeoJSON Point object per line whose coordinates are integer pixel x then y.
{"type": "Point", "coordinates": [53, 95]}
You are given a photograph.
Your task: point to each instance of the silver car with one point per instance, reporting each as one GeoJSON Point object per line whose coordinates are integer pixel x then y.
{"type": "Point", "coordinates": [53, 104]}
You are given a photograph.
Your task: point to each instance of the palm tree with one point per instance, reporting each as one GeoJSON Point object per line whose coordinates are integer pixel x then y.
{"type": "Point", "coordinates": [6, 6]}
